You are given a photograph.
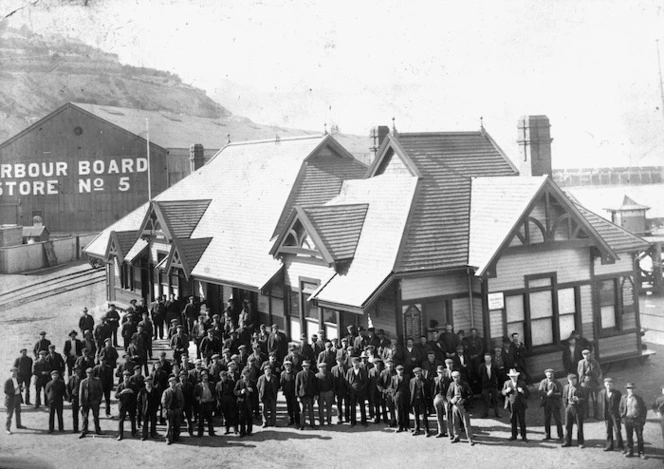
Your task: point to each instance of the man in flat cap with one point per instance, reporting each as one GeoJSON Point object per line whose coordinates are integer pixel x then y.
{"type": "Point", "coordinates": [633, 412]}
{"type": "Point", "coordinates": [325, 385]}
{"type": "Point", "coordinates": [126, 395]}
{"type": "Point", "coordinates": [24, 366]}
{"type": "Point", "coordinates": [357, 381]}
{"type": "Point", "coordinates": [90, 395]}
{"type": "Point", "coordinates": [179, 343]}
{"type": "Point", "coordinates": [189, 314]}
{"type": "Point", "coordinates": [489, 383]}
{"type": "Point", "coordinates": [172, 401]}
{"type": "Point", "coordinates": [374, 395]}
{"type": "Point", "coordinates": [305, 387]}
{"type": "Point", "coordinates": [590, 376]}
{"type": "Point", "coordinates": [401, 387]}
{"type": "Point", "coordinates": [41, 344]}
{"type": "Point", "coordinates": [441, 383]}
{"type": "Point", "coordinates": [73, 391]}
{"type": "Point", "coordinates": [338, 373]}
{"type": "Point", "coordinates": [42, 371]}
{"type": "Point", "coordinates": [268, 387]}
{"type": "Point", "coordinates": [55, 396]}
{"type": "Point", "coordinates": [72, 350]}
{"type": "Point", "coordinates": [608, 406]}
{"type": "Point", "coordinates": [55, 360]}
{"type": "Point", "coordinates": [113, 318]}
{"type": "Point", "coordinates": [148, 402]}
{"type": "Point", "coordinates": [419, 397]}
{"type": "Point", "coordinates": [86, 322]}
{"type": "Point", "coordinates": [13, 400]}
{"type": "Point", "coordinates": [516, 395]}
{"type": "Point", "coordinates": [574, 398]}
{"type": "Point", "coordinates": [551, 393]}
{"type": "Point", "coordinates": [204, 397]}
{"type": "Point", "coordinates": [225, 391]}
{"type": "Point", "coordinates": [386, 393]}
{"type": "Point", "coordinates": [244, 390]}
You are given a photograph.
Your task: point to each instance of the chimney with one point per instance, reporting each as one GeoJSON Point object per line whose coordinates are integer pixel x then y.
{"type": "Point", "coordinates": [535, 146]}
{"type": "Point", "coordinates": [378, 134]}
{"type": "Point", "coordinates": [196, 157]}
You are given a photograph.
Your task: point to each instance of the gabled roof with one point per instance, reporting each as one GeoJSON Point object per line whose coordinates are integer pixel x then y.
{"type": "Point", "coordinates": [389, 198]}
{"type": "Point", "coordinates": [131, 222]}
{"type": "Point", "coordinates": [339, 227]}
{"type": "Point", "coordinates": [500, 204]}
{"type": "Point", "coordinates": [182, 216]}
{"type": "Point", "coordinates": [188, 252]}
{"type": "Point", "coordinates": [497, 206]}
{"type": "Point", "coordinates": [120, 242]}
{"type": "Point", "coordinates": [617, 237]}
{"type": "Point", "coordinates": [136, 250]}
{"type": "Point", "coordinates": [440, 220]}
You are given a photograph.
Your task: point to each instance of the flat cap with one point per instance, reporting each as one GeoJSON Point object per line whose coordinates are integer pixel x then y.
{"type": "Point", "coordinates": [549, 370]}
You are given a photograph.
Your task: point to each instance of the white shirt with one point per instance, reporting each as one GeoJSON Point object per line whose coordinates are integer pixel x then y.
{"type": "Point", "coordinates": [488, 370]}
{"type": "Point", "coordinates": [17, 387]}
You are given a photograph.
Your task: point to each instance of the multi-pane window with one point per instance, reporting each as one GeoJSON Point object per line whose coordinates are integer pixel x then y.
{"type": "Point", "coordinates": [607, 303]}
{"type": "Point", "coordinates": [566, 311]}
{"type": "Point", "coordinates": [515, 313]}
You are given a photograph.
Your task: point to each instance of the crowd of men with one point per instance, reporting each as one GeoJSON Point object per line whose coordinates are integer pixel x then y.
{"type": "Point", "coordinates": [239, 367]}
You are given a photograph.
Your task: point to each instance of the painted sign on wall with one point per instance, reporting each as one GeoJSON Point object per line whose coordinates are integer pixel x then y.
{"type": "Point", "coordinates": [46, 178]}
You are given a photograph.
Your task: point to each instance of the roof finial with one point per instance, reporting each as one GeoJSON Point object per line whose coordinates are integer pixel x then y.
{"type": "Point", "coordinates": [394, 128]}
{"type": "Point", "coordinates": [481, 123]}
{"type": "Point", "coordinates": [228, 138]}
{"type": "Point", "coordinates": [325, 128]}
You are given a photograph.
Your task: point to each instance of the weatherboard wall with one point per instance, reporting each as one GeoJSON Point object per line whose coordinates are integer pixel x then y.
{"type": "Point", "coordinates": [77, 171]}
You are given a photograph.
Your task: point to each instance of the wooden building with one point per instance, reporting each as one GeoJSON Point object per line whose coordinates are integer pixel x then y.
{"type": "Point", "coordinates": [84, 166]}
{"type": "Point", "coordinates": [441, 228]}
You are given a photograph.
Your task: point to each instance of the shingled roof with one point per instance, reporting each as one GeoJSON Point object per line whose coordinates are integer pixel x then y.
{"type": "Point", "coordinates": [182, 216]}
{"type": "Point", "coordinates": [617, 237]}
{"type": "Point", "coordinates": [439, 227]}
{"type": "Point", "coordinates": [339, 227]}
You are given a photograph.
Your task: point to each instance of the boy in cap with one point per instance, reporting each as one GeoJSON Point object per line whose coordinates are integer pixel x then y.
{"type": "Point", "coordinates": [172, 401]}
{"type": "Point", "coordinates": [551, 400]}
{"type": "Point", "coordinates": [574, 398]}
{"type": "Point", "coordinates": [608, 405]}
{"type": "Point", "coordinates": [55, 395]}
{"type": "Point", "coordinates": [516, 393]}
{"type": "Point", "coordinates": [633, 412]}
{"type": "Point", "coordinates": [13, 399]}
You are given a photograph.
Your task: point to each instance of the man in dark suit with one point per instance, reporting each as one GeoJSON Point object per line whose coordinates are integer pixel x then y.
{"type": "Point", "coordinates": [487, 374]}
{"type": "Point", "coordinates": [268, 387]}
{"type": "Point", "coordinates": [305, 386]}
{"type": "Point", "coordinates": [551, 400]}
{"type": "Point", "coordinates": [42, 371]}
{"type": "Point", "coordinates": [73, 390]}
{"type": "Point", "coordinates": [113, 319]}
{"type": "Point", "coordinates": [204, 397]}
{"type": "Point", "coordinates": [516, 395]}
{"type": "Point", "coordinates": [462, 364]}
{"type": "Point", "coordinates": [148, 404]}
{"type": "Point", "coordinates": [126, 395]}
{"type": "Point", "coordinates": [55, 360]}
{"type": "Point", "coordinates": [608, 406]}
{"type": "Point", "coordinates": [633, 412]}
{"type": "Point", "coordinates": [55, 396]}
{"type": "Point", "coordinates": [574, 398]}
{"type": "Point", "coordinates": [338, 373]}
{"type": "Point", "coordinates": [73, 349]}
{"type": "Point", "coordinates": [172, 401]}
{"type": "Point", "coordinates": [244, 390]}
{"type": "Point", "coordinates": [90, 395]}
{"type": "Point", "coordinates": [24, 366]}
{"type": "Point", "coordinates": [419, 397]}
{"type": "Point", "coordinates": [411, 357]}
{"type": "Point", "coordinates": [86, 322]}
{"type": "Point", "coordinates": [357, 382]}
{"type": "Point", "coordinates": [42, 344]}
{"type": "Point", "coordinates": [13, 400]}
{"type": "Point", "coordinates": [385, 391]}
{"type": "Point", "coordinates": [179, 344]}
{"type": "Point", "coordinates": [328, 356]}
{"type": "Point", "coordinates": [401, 393]}
{"type": "Point", "coordinates": [325, 386]}
{"type": "Point", "coordinates": [189, 314]}
{"type": "Point", "coordinates": [225, 391]}
{"type": "Point", "coordinates": [441, 383]}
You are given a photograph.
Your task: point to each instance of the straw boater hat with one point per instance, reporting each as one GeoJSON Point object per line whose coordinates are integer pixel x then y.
{"type": "Point", "coordinates": [513, 372]}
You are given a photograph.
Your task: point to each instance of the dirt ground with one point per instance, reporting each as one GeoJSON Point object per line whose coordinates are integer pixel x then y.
{"type": "Point", "coordinates": [331, 447]}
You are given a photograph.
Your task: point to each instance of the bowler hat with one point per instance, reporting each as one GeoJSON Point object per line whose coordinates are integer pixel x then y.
{"type": "Point", "coordinates": [630, 386]}
{"type": "Point", "coordinates": [73, 332]}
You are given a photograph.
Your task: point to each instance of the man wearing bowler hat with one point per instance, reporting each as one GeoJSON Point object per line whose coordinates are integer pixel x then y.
{"type": "Point", "coordinates": [516, 393]}
{"type": "Point", "coordinates": [72, 350]}
{"type": "Point", "coordinates": [633, 412]}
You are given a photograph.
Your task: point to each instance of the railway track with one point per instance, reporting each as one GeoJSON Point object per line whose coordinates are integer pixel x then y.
{"type": "Point", "coordinates": [50, 287]}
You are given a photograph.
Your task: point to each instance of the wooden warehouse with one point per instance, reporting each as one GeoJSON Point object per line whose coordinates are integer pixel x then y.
{"type": "Point", "coordinates": [441, 228]}
{"type": "Point", "coordinates": [84, 166]}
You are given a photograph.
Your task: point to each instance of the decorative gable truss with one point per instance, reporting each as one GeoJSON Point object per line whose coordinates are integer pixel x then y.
{"type": "Point", "coordinates": [119, 244]}
{"type": "Point", "coordinates": [551, 220]}
{"type": "Point", "coordinates": [154, 225]}
{"type": "Point", "coordinates": [185, 254]}
{"type": "Point", "coordinates": [300, 239]}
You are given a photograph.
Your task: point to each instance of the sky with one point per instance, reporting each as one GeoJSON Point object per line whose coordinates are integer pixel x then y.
{"type": "Point", "coordinates": [591, 66]}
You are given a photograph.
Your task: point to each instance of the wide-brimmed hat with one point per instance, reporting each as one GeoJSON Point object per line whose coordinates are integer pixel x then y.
{"type": "Point", "coordinates": [73, 332]}
{"type": "Point", "coordinates": [630, 386]}
{"type": "Point", "coordinates": [513, 372]}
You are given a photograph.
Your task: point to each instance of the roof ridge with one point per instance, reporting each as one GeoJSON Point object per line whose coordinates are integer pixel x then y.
{"type": "Point", "coordinates": [272, 140]}
{"type": "Point", "coordinates": [441, 133]}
